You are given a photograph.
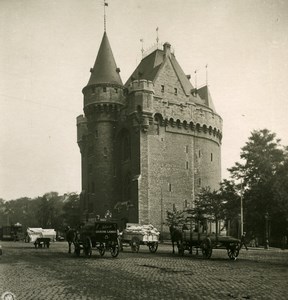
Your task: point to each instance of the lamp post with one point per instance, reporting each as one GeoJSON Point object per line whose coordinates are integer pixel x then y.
{"type": "Point", "coordinates": [266, 243]}
{"type": "Point", "coordinates": [241, 211]}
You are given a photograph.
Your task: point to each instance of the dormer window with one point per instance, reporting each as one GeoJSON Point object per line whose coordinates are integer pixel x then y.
{"type": "Point", "coordinates": [175, 91]}
{"type": "Point", "coordinates": [162, 88]}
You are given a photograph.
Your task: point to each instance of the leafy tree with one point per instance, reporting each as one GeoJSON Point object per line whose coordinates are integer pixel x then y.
{"type": "Point", "coordinates": [212, 205]}
{"type": "Point", "coordinates": [71, 210]}
{"type": "Point", "coordinates": [263, 167]}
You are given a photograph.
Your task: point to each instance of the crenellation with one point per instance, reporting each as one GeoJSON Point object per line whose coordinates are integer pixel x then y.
{"type": "Point", "coordinates": [147, 137]}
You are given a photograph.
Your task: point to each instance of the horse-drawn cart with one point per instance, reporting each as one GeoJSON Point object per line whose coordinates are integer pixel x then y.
{"type": "Point", "coordinates": [101, 236]}
{"type": "Point", "coordinates": [135, 235]}
{"type": "Point", "coordinates": [40, 237]}
{"type": "Point", "coordinates": [208, 242]}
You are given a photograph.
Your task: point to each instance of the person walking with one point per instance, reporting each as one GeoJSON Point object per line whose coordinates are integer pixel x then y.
{"type": "Point", "coordinates": [243, 242]}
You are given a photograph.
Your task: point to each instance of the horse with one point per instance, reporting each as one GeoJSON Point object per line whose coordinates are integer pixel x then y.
{"type": "Point", "coordinates": [70, 237]}
{"type": "Point", "coordinates": [176, 237]}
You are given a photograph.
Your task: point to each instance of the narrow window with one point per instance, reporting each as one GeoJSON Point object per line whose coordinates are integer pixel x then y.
{"type": "Point", "coordinates": [105, 152]}
{"type": "Point", "coordinates": [174, 207]}
{"type": "Point", "coordinates": [162, 88]}
{"type": "Point", "coordinates": [211, 156]}
{"type": "Point", "coordinates": [187, 165]}
{"type": "Point", "coordinates": [170, 187]}
{"type": "Point", "coordinates": [175, 91]}
{"type": "Point", "coordinates": [186, 148]}
{"type": "Point", "coordinates": [104, 89]}
{"type": "Point", "coordinates": [116, 90]}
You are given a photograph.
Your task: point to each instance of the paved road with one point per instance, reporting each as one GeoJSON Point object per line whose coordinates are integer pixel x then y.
{"type": "Point", "coordinates": [54, 274]}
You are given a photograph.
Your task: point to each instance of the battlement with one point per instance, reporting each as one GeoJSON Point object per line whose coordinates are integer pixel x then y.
{"type": "Point", "coordinates": [141, 85]}
{"type": "Point", "coordinates": [81, 120]}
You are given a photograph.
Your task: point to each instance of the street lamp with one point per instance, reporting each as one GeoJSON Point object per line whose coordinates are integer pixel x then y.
{"type": "Point", "coordinates": [266, 244]}
{"type": "Point", "coordinates": [241, 210]}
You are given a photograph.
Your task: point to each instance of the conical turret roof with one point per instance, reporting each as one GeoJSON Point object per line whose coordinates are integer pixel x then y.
{"type": "Point", "coordinates": [105, 70]}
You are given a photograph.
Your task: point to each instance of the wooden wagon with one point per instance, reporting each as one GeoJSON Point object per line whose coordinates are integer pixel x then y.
{"type": "Point", "coordinates": [101, 236]}
{"type": "Point", "coordinates": [135, 235]}
{"type": "Point", "coordinates": [207, 242]}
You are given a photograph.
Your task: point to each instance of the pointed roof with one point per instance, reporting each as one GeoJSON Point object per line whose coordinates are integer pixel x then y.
{"type": "Point", "coordinates": [204, 93]}
{"type": "Point", "coordinates": [150, 66]}
{"type": "Point", "coordinates": [105, 69]}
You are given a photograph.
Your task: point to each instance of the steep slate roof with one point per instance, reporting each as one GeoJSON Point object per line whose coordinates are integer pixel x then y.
{"type": "Point", "coordinates": [151, 64]}
{"type": "Point", "coordinates": [105, 68]}
{"type": "Point", "coordinates": [204, 93]}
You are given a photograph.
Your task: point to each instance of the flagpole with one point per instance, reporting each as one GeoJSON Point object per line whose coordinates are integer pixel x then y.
{"type": "Point", "coordinates": [105, 4]}
{"type": "Point", "coordinates": [157, 38]}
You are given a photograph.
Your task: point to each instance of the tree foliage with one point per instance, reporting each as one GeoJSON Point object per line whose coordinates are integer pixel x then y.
{"type": "Point", "coordinates": [48, 211]}
{"type": "Point", "coordinates": [263, 175]}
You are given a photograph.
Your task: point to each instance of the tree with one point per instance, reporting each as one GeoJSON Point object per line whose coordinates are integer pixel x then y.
{"type": "Point", "coordinates": [264, 163]}
{"type": "Point", "coordinates": [71, 210]}
{"type": "Point", "coordinates": [212, 205]}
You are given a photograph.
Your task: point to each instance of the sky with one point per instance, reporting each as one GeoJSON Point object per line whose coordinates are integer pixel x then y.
{"type": "Point", "coordinates": [48, 47]}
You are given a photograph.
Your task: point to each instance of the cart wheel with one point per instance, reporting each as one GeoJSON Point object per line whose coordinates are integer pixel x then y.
{"type": "Point", "coordinates": [87, 247]}
{"type": "Point", "coordinates": [206, 248]}
{"type": "Point", "coordinates": [101, 249]}
{"type": "Point", "coordinates": [233, 250]}
{"type": "Point", "coordinates": [77, 249]}
{"type": "Point", "coordinates": [114, 250]}
{"type": "Point", "coordinates": [153, 247]}
{"type": "Point", "coordinates": [181, 248]}
{"type": "Point", "coordinates": [135, 244]}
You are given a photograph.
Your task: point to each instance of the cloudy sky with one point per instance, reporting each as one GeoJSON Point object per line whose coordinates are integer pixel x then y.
{"type": "Point", "coordinates": [48, 47]}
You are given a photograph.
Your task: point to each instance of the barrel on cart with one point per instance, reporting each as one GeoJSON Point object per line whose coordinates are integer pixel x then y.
{"type": "Point", "coordinates": [100, 236]}
{"type": "Point", "coordinates": [136, 234]}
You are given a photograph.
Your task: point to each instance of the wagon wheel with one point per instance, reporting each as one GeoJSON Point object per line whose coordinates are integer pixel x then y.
{"type": "Point", "coordinates": [101, 249]}
{"type": "Point", "coordinates": [206, 247]}
{"type": "Point", "coordinates": [114, 249]}
{"type": "Point", "coordinates": [181, 248]}
{"type": "Point", "coordinates": [233, 250]}
{"type": "Point", "coordinates": [87, 247]}
{"type": "Point", "coordinates": [135, 244]}
{"type": "Point", "coordinates": [153, 247]}
{"type": "Point", "coordinates": [77, 249]}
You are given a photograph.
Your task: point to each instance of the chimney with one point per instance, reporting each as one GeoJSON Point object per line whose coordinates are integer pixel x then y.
{"type": "Point", "coordinates": [167, 49]}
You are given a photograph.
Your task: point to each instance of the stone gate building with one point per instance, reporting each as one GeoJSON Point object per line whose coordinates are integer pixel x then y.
{"type": "Point", "coordinates": [149, 145]}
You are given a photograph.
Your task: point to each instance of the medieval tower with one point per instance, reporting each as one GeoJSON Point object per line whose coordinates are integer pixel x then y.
{"type": "Point", "coordinates": [149, 145]}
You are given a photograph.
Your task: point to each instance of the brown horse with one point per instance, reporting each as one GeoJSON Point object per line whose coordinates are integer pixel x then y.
{"type": "Point", "coordinates": [70, 237]}
{"type": "Point", "coordinates": [176, 237]}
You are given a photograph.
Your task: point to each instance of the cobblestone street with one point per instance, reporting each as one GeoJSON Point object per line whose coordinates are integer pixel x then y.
{"type": "Point", "coordinates": [52, 273]}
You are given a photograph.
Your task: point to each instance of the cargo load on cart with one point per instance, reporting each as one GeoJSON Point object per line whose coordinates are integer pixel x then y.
{"type": "Point", "coordinates": [136, 234]}
{"type": "Point", "coordinates": [40, 237]}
